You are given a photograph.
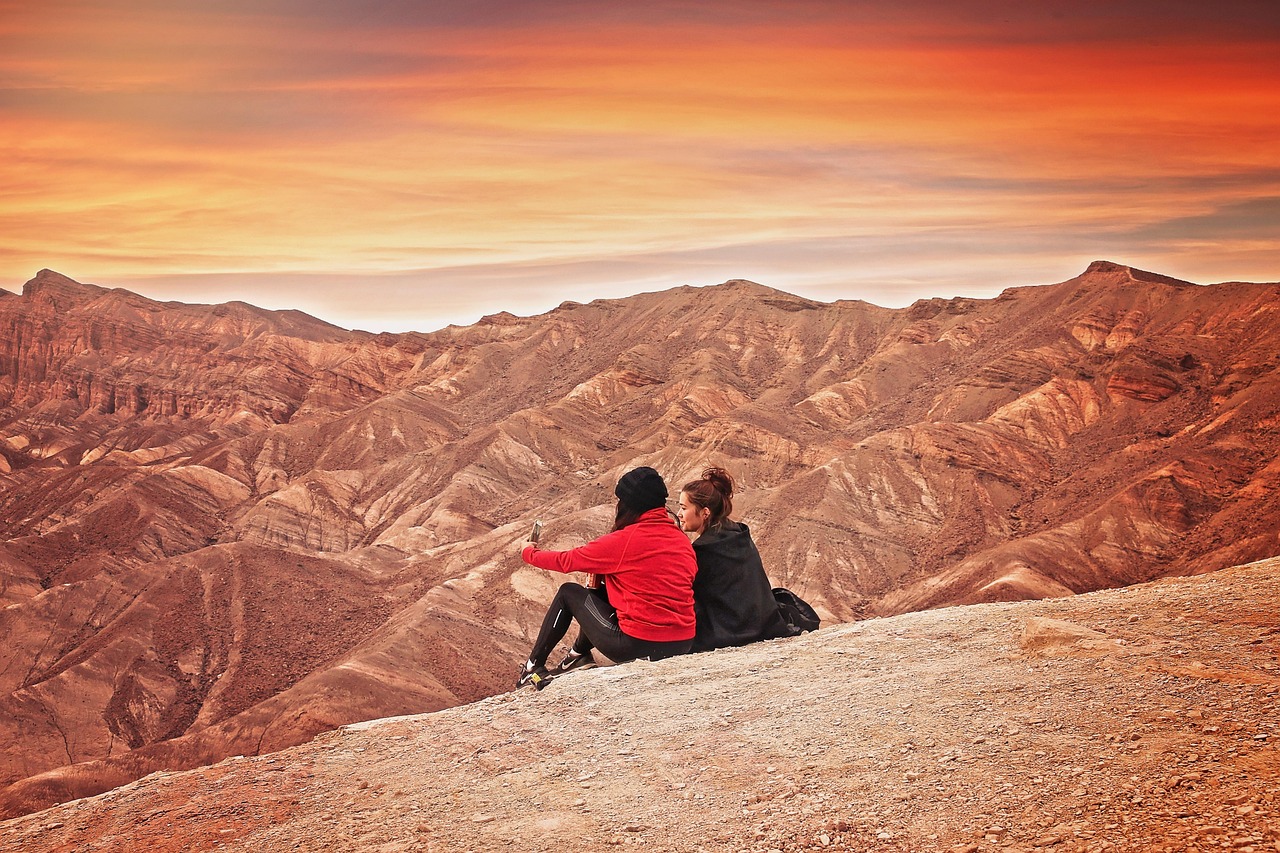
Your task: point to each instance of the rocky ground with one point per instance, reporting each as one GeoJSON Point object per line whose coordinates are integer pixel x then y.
{"type": "Point", "coordinates": [1139, 719]}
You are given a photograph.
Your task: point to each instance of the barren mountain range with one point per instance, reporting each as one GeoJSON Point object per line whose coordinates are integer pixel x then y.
{"type": "Point", "coordinates": [224, 530]}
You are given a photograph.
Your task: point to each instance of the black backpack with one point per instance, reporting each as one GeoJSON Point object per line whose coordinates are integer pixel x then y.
{"type": "Point", "coordinates": [796, 612]}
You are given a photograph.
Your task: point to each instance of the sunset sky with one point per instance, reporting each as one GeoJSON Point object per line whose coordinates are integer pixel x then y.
{"type": "Point", "coordinates": [403, 165]}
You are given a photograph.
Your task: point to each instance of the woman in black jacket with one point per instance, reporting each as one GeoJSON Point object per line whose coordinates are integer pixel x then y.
{"type": "Point", "coordinates": [732, 597]}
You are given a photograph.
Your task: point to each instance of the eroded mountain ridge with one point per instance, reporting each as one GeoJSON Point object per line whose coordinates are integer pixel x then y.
{"type": "Point", "coordinates": [226, 529]}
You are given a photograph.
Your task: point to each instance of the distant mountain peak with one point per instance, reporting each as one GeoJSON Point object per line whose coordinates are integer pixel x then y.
{"type": "Point", "coordinates": [1135, 274]}
{"type": "Point", "coordinates": [59, 291]}
{"type": "Point", "coordinates": [1105, 266]}
{"type": "Point", "coordinates": [765, 294]}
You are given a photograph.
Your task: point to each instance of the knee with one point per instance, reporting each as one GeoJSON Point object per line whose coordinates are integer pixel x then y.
{"type": "Point", "coordinates": [569, 592]}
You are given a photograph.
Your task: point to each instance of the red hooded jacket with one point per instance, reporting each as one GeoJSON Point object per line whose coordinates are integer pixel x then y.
{"type": "Point", "coordinates": [650, 568]}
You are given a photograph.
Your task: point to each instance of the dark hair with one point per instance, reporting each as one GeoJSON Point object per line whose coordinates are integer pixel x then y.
{"type": "Point", "coordinates": [626, 515]}
{"type": "Point", "coordinates": [713, 491]}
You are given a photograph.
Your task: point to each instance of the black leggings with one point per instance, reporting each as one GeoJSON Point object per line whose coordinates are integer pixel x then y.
{"type": "Point", "coordinates": [597, 629]}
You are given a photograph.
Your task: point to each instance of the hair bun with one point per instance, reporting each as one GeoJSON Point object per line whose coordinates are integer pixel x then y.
{"type": "Point", "coordinates": [721, 479]}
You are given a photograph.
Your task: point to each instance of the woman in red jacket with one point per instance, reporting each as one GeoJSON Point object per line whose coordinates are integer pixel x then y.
{"type": "Point", "coordinates": [646, 607]}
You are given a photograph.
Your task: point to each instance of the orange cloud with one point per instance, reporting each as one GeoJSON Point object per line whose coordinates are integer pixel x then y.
{"type": "Point", "coordinates": [212, 140]}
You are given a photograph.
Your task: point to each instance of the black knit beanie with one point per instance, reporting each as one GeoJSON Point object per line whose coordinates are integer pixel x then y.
{"type": "Point", "coordinates": [642, 489]}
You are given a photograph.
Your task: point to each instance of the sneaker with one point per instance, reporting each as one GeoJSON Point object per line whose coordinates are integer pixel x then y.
{"type": "Point", "coordinates": [573, 660]}
{"type": "Point", "coordinates": [537, 677]}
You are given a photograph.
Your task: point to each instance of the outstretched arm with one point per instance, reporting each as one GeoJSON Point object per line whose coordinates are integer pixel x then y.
{"type": "Point", "coordinates": [599, 557]}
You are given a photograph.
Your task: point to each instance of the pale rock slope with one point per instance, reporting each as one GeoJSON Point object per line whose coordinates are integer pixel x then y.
{"type": "Point", "coordinates": [1142, 719]}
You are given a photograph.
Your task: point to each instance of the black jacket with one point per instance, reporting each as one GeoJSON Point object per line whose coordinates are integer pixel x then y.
{"type": "Point", "coordinates": [732, 597]}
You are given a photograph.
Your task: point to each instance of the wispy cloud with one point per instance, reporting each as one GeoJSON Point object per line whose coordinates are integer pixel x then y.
{"type": "Point", "coordinates": [911, 146]}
